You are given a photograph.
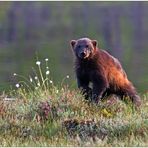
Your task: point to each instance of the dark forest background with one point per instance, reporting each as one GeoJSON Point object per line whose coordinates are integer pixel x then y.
{"type": "Point", "coordinates": [46, 28]}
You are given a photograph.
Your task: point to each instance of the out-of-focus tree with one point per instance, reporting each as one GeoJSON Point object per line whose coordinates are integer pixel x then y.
{"type": "Point", "coordinates": [48, 27]}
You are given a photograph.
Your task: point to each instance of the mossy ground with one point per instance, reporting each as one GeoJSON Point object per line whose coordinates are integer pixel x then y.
{"type": "Point", "coordinates": [61, 117]}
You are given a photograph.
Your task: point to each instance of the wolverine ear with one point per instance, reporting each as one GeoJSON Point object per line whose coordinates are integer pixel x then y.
{"type": "Point", "coordinates": [95, 43]}
{"type": "Point", "coordinates": [73, 42]}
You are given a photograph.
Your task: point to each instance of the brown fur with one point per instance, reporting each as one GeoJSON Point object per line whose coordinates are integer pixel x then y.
{"type": "Point", "coordinates": [103, 70]}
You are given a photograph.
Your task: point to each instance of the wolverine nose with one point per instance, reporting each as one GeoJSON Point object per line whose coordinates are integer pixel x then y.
{"type": "Point", "coordinates": [82, 54]}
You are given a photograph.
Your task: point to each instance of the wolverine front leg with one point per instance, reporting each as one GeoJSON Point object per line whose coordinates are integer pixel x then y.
{"type": "Point", "coordinates": [99, 86]}
{"type": "Point", "coordinates": [83, 84]}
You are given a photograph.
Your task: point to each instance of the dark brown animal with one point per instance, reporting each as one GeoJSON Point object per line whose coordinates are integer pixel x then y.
{"type": "Point", "coordinates": [102, 70]}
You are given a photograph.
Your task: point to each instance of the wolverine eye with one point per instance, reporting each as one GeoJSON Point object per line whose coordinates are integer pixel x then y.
{"type": "Point", "coordinates": [79, 46]}
{"type": "Point", "coordinates": [86, 46]}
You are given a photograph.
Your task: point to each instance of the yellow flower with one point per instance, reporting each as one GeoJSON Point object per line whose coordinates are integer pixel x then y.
{"type": "Point", "coordinates": [106, 113]}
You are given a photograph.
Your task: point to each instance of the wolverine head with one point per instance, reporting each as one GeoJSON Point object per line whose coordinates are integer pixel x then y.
{"type": "Point", "coordinates": [84, 48]}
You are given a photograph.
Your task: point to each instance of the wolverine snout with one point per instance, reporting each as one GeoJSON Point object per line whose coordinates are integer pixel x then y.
{"type": "Point", "coordinates": [84, 54]}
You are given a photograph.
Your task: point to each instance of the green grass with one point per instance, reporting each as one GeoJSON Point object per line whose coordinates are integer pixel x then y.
{"type": "Point", "coordinates": [50, 115]}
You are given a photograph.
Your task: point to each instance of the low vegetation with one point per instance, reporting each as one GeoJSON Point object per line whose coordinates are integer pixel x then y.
{"type": "Point", "coordinates": [39, 113]}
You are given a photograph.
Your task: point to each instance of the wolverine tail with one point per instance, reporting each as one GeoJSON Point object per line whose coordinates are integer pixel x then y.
{"type": "Point", "coordinates": [136, 100]}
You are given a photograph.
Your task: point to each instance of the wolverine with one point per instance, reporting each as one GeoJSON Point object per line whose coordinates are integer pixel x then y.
{"type": "Point", "coordinates": [97, 66]}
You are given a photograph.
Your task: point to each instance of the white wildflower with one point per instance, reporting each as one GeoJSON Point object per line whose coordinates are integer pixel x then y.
{"type": "Point", "coordinates": [46, 59]}
{"type": "Point", "coordinates": [38, 63]}
{"type": "Point", "coordinates": [17, 85]}
{"type": "Point", "coordinates": [31, 79]}
{"type": "Point", "coordinates": [35, 77]}
{"type": "Point", "coordinates": [47, 72]}
{"type": "Point", "coordinates": [38, 84]}
{"type": "Point", "coordinates": [51, 81]}
{"type": "Point", "coordinates": [57, 91]}
{"type": "Point", "coordinates": [47, 67]}
{"type": "Point", "coordinates": [14, 74]}
{"type": "Point", "coordinates": [67, 76]}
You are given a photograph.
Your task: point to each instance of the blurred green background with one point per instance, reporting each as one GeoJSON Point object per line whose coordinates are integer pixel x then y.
{"type": "Point", "coordinates": [46, 28]}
